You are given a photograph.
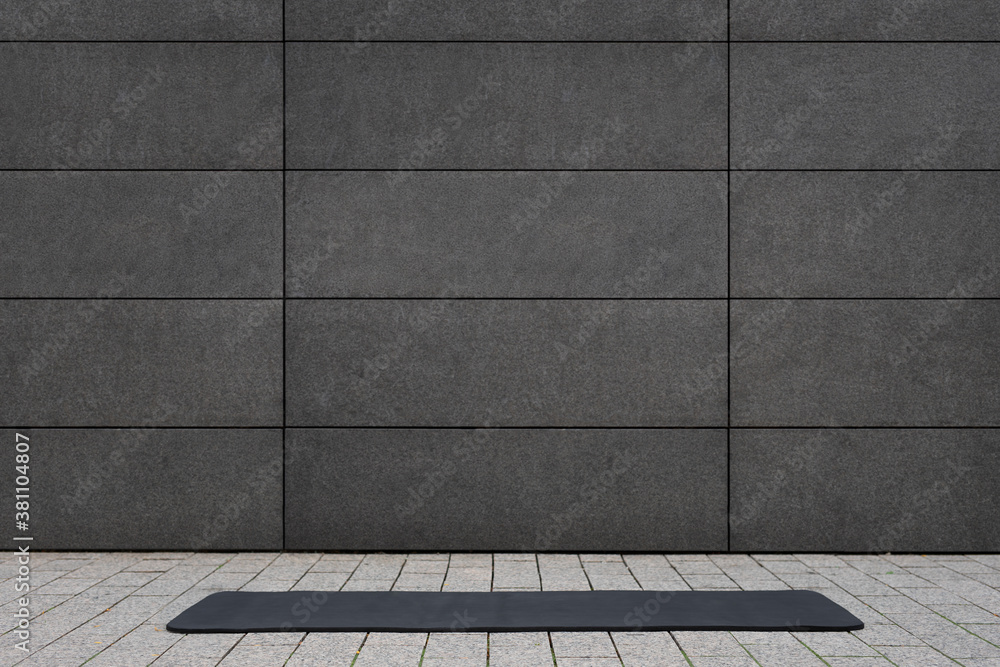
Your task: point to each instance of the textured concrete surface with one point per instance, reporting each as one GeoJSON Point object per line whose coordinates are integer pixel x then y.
{"type": "Point", "coordinates": [562, 489]}
{"type": "Point", "coordinates": [866, 235]}
{"type": "Point", "coordinates": [111, 608]}
{"type": "Point", "coordinates": [140, 106]}
{"type": "Point", "coordinates": [879, 20]}
{"type": "Point", "coordinates": [504, 234]}
{"type": "Point", "coordinates": [154, 488]}
{"type": "Point", "coordinates": [141, 363]}
{"type": "Point", "coordinates": [617, 20]}
{"type": "Point", "coordinates": [140, 19]}
{"type": "Point", "coordinates": [543, 247]}
{"type": "Point", "coordinates": [506, 106]}
{"type": "Point", "coordinates": [865, 490]}
{"type": "Point", "coordinates": [141, 234]}
{"type": "Point", "coordinates": [865, 106]}
{"type": "Point", "coordinates": [503, 363]}
{"type": "Point", "coordinates": [866, 363]}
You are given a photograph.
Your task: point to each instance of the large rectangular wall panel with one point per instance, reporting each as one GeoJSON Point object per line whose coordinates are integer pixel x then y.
{"type": "Point", "coordinates": [866, 363]}
{"type": "Point", "coordinates": [506, 363]}
{"type": "Point", "coordinates": [504, 234]}
{"type": "Point", "coordinates": [159, 489]}
{"type": "Point", "coordinates": [140, 19]}
{"type": "Point", "coordinates": [878, 20]}
{"type": "Point", "coordinates": [408, 106]}
{"type": "Point", "coordinates": [629, 20]}
{"type": "Point", "coordinates": [865, 490]}
{"type": "Point", "coordinates": [508, 489]}
{"type": "Point", "coordinates": [865, 106]}
{"type": "Point", "coordinates": [140, 234]}
{"type": "Point", "coordinates": [140, 106]}
{"type": "Point", "coordinates": [140, 363]}
{"type": "Point", "coordinates": [866, 234]}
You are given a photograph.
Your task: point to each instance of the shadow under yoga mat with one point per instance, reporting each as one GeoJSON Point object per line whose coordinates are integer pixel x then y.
{"type": "Point", "coordinates": [404, 611]}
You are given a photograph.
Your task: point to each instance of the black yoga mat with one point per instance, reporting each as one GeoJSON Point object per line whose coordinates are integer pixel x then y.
{"type": "Point", "coordinates": [403, 611]}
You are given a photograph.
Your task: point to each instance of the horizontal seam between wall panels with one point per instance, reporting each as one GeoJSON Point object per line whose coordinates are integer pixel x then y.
{"type": "Point", "coordinates": [499, 41]}
{"type": "Point", "coordinates": [482, 170]}
{"type": "Point", "coordinates": [722, 427]}
{"type": "Point", "coordinates": [499, 298]}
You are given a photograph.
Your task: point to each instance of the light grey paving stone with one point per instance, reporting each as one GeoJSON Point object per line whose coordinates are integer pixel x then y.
{"type": "Point", "coordinates": [648, 648]}
{"type": "Point", "coordinates": [178, 363]}
{"type": "Point", "coordinates": [152, 565]}
{"type": "Point", "coordinates": [589, 662]}
{"type": "Point", "coordinates": [265, 585]}
{"type": "Point", "coordinates": [582, 645]}
{"type": "Point", "coordinates": [141, 106]}
{"type": "Point", "coordinates": [425, 566]}
{"type": "Point", "coordinates": [429, 582]}
{"type": "Point", "coordinates": [506, 106]}
{"type": "Point", "coordinates": [334, 567]}
{"type": "Point", "coordinates": [470, 561]}
{"type": "Point", "coordinates": [897, 579]}
{"type": "Point", "coordinates": [976, 593]}
{"type": "Point", "coordinates": [783, 656]}
{"type": "Point", "coordinates": [732, 661]}
{"type": "Point", "coordinates": [703, 581]}
{"type": "Point", "coordinates": [523, 363]}
{"type": "Point", "coordinates": [202, 646]}
{"type": "Point", "coordinates": [123, 234]}
{"type": "Point", "coordinates": [990, 560]}
{"type": "Point", "coordinates": [279, 572]}
{"type": "Point", "coordinates": [927, 596]}
{"type": "Point", "coordinates": [320, 648]}
{"type": "Point", "coordinates": [368, 585]}
{"type": "Point", "coordinates": [565, 581]}
{"type": "Point", "coordinates": [981, 662]}
{"type": "Point", "coordinates": [438, 489]}
{"type": "Point", "coordinates": [883, 363]}
{"type": "Point", "coordinates": [969, 567]}
{"type": "Point", "coordinates": [964, 613]}
{"type": "Point", "coordinates": [141, 645]}
{"type": "Point", "coordinates": [887, 635]}
{"type": "Point", "coordinates": [685, 568]}
{"type": "Point", "coordinates": [390, 655]}
{"type": "Point", "coordinates": [894, 604]}
{"type": "Point", "coordinates": [517, 648]}
{"type": "Point", "coordinates": [858, 662]}
{"type": "Point", "coordinates": [140, 20]}
{"type": "Point", "coordinates": [217, 484]}
{"type": "Point", "coordinates": [880, 20]}
{"type": "Point", "coordinates": [835, 644]}
{"type": "Point", "coordinates": [516, 20]}
{"type": "Point", "coordinates": [507, 234]}
{"type": "Point", "coordinates": [938, 474]}
{"type": "Point", "coordinates": [807, 581]}
{"type": "Point", "coordinates": [470, 647]}
{"type": "Point", "coordinates": [321, 581]}
{"type": "Point", "coordinates": [864, 106]}
{"type": "Point", "coordinates": [62, 586]}
{"type": "Point", "coordinates": [257, 655]}
{"type": "Point", "coordinates": [709, 644]}
{"type": "Point", "coordinates": [272, 639]}
{"type": "Point", "coordinates": [515, 574]}
{"type": "Point", "coordinates": [909, 656]}
{"type": "Point", "coordinates": [990, 633]}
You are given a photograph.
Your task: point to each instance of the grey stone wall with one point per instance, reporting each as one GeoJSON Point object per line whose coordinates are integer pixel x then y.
{"type": "Point", "coordinates": [455, 275]}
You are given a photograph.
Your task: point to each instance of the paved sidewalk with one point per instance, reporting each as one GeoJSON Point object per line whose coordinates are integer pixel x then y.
{"type": "Point", "coordinates": [111, 609]}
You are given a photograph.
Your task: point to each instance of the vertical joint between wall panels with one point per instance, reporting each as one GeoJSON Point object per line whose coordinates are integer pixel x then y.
{"type": "Point", "coordinates": [284, 272]}
{"type": "Point", "coordinates": [729, 254]}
